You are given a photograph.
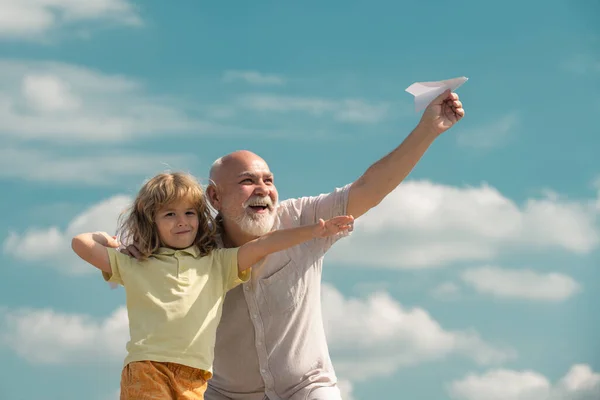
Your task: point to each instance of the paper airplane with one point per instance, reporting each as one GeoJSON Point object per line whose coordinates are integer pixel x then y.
{"type": "Point", "coordinates": [426, 92]}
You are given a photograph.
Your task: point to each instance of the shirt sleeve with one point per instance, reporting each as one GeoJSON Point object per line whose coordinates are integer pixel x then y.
{"type": "Point", "coordinates": [227, 260]}
{"type": "Point", "coordinates": [118, 262]}
{"type": "Point", "coordinates": [308, 210]}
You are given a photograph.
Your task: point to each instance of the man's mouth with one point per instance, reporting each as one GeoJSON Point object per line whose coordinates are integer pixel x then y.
{"type": "Point", "coordinates": [259, 208]}
{"type": "Point", "coordinates": [259, 205]}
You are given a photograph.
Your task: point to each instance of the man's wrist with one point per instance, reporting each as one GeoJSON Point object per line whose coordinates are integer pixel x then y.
{"type": "Point", "coordinates": [425, 130]}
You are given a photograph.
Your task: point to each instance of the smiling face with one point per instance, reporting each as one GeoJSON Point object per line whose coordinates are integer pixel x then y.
{"type": "Point", "coordinates": [246, 194]}
{"type": "Point", "coordinates": [177, 224]}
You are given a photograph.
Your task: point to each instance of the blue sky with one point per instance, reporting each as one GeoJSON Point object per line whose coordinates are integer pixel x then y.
{"type": "Point", "coordinates": [473, 280]}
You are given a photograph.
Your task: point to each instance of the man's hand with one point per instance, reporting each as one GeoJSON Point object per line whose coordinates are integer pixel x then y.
{"type": "Point", "coordinates": [132, 251]}
{"type": "Point", "coordinates": [91, 247]}
{"type": "Point", "coordinates": [333, 226]}
{"type": "Point", "coordinates": [105, 239]}
{"type": "Point", "coordinates": [442, 113]}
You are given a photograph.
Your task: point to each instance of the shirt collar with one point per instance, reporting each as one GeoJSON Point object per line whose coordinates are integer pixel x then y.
{"type": "Point", "coordinates": [192, 250]}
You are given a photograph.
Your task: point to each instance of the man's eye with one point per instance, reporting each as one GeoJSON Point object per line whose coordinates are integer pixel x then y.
{"type": "Point", "coordinates": [246, 181]}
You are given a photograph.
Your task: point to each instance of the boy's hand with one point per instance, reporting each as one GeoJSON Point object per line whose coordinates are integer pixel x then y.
{"type": "Point", "coordinates": [333, 226]}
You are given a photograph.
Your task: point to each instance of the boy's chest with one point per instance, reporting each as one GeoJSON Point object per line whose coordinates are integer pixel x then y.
{"type": "Point", "coordinates": [174, 280]}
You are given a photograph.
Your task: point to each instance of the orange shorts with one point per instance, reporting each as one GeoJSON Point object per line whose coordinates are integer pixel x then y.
{"type": "Point", "coordinates": [150, 380]}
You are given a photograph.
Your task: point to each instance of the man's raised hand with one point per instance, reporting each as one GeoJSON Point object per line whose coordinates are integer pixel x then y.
{"type": "Point", "coordinates": [443, 112]}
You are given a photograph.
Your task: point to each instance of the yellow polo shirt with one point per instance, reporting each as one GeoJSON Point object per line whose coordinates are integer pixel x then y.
{"type": "Point", "coordinates": [174, 302]}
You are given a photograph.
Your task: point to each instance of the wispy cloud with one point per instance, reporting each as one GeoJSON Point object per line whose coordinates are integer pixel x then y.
{"type": "Point", "coordinates": [494, 134]}
{"type": "Point", "coordinates": [446, 291]}
{"type": "Point", "coordinates": [49, 101]}
{"type": "Point", "coordinates": [52, 102]}
{"type": "Point", "coordinates": [108, 168]}
{"type": "Point", "coordinates": [37, 19]}
{"type": "Point", "coordinates": [254, 78]}
{"type": "Point", "coordinates": [521, 283]}
{"type": "Point", "coordinates": [344, 110]}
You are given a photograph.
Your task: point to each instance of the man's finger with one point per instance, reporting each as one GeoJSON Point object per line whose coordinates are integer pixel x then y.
{"type": "Point", "coordinates": [134, 252]}
{"type": "Point", "coordinates": [442, 97]}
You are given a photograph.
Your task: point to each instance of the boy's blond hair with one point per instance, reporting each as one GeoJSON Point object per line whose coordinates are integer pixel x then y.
{"type": "Point", "coordinates": [138, 225]}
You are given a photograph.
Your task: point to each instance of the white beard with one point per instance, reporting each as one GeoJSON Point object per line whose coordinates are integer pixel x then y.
{"type": "Point", "coordinates": [256, 225]}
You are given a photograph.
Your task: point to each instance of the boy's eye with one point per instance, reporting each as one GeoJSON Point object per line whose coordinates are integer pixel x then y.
{"type": "Point", "coordinates": [191, 213]}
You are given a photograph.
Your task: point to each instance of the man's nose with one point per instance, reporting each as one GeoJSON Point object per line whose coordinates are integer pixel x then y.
{"type": "Point", "coordinates": [261, 189]}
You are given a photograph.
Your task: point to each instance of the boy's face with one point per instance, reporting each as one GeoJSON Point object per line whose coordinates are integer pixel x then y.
{"type": "Point", "coordinates": [177, 224]}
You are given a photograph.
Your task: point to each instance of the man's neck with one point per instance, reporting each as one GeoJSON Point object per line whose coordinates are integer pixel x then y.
{"type": "Point", "coordinates": [233, 237]}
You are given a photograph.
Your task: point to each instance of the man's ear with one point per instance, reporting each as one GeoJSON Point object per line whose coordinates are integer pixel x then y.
{"type": "Point", "coordinates": [213, 196]}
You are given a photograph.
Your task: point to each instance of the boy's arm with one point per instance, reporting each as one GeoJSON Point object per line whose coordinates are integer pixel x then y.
{"type": "Point", "coordinates": [255, 250]}
{"type": "Point", "coordinates": [91, 247]}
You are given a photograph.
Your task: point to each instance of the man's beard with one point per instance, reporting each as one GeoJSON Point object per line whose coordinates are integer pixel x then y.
{"type": "Point", "coordinates": [256, 224]}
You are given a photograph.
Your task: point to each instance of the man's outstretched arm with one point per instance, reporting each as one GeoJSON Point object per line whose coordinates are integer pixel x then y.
{"type": "Point", "coordinates": [386, 174]}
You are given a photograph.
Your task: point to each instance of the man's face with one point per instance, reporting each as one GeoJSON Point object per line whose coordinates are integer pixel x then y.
{"type": "Point", "coordinates": [248, 196]}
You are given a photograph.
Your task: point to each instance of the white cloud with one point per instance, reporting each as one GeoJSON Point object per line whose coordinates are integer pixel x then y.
{"type": "Point", "coordinates": [346, 389]}
{"type": "Point", "coordinates": [253, 78]}
{"type": "Point", "coordinates": [52, 246]}
{"type": "Point", "coordinates": [521, 283]}
{"type": "Point", "coordinates": [48, 93]}
{"type": "Point", "coordinates": [57, 102]}
{"type": "Point", "coordinates": [422, 224]}
{"type": "Point", "coordinates": [36, 19]}
{"type": "Point", "coordinates": [345, 110]}
{"type": "Point", "coordinates": [580, 383]}
{"type": "Point", "coordinates": [376, 336]}
{"type": "Point", "coordinates": [46, 336]}
{"type": "Point", "coordinates": [91, 170]}
{"type": "Point", "coordinates": [494, 134]}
